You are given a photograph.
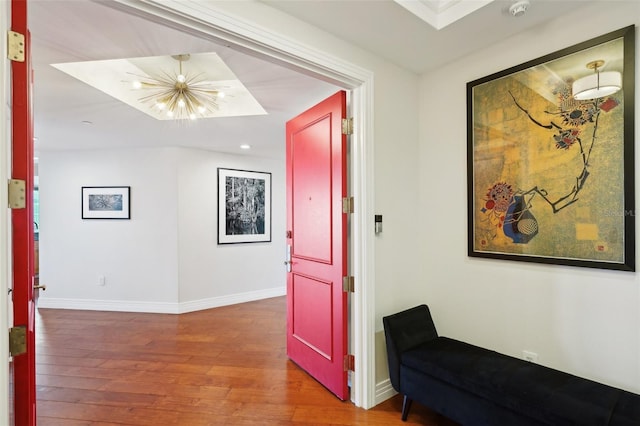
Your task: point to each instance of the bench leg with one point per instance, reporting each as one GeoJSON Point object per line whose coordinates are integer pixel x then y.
{"type": "Point", "coordinates": [406, 406]}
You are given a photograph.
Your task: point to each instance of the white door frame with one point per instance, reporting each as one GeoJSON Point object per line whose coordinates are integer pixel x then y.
{"type": "Point", "coordinates": [205, 19]}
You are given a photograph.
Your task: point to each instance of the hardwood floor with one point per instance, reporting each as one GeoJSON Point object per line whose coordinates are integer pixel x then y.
{"type": "Point", "coordinates": [224, 366]}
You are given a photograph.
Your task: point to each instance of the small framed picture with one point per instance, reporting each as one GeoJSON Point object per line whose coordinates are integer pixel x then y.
{"type": "Point", "coordinates": [106, 202]}
{"type": "Point", "coordinates": [244, 206]}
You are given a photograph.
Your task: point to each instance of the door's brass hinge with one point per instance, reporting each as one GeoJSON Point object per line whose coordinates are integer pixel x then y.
{"type": "Point", "coordinates": [347, 126]}
{"type": "Point", "coordinates": [18, 340]}
{"type": "Point", "coordinates": [15, 46]}
{"type": "Point", "coordinates": [349, 363]}
{"type": "Point", "coordinates": [17, 194]}
{"type": "Point", "coordinates": [348, 284]}
{"type": "Point", "coordinates": [347, 205]}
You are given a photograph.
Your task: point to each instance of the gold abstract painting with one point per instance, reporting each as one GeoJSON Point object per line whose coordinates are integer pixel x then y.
{"type": "Point", "coordinates": [551, 173]}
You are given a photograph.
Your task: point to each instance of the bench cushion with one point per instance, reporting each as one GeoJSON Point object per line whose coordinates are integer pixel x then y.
{"type": "Point", "coordinates": [542, 393]}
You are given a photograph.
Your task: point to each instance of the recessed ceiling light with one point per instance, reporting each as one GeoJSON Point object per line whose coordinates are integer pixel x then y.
{"type": "Point", "coordinates": [245, 146]}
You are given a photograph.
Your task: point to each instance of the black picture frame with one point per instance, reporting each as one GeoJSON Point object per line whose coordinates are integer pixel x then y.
{"type": "Point", "coordinates": [106, 202]}
{"type": "Point", "coordinates": [550, 179]}
{"type": "Point", "coordinates": [244, 206]}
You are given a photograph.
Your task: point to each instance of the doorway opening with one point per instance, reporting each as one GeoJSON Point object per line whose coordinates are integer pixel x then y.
{"type": "Point", "coordinates": [286, 51]}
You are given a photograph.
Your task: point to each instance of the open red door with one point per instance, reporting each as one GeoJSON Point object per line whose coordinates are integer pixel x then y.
{"type": "Point", "coordinates": [24, 379]}
{"type": "Point", "coordinates": [317, 243]}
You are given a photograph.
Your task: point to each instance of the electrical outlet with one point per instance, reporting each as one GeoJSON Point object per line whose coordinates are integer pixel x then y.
{"type": "Point", "coordinates": [530, 356]}
{"type": "Point", "coordinates": [101, 280]}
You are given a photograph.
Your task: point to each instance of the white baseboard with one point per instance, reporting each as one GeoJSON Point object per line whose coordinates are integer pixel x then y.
{"type": "Point", "coordinates": [384, 391]}
{"type": "Point", "coordinates": [108, 305]}
{"type": "Point", "coordinates": [232, 299]}
{"type": "Point", "coordinates": [159, 307]}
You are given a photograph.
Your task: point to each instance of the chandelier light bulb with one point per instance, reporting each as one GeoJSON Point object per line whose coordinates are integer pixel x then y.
{"type": "Point", "coordinates": [181, 78]}
{"type": "Point", "coordinates": [136, 84]}
{"type": "Point", "coordinates": [161, 105]}
{"type": "Point", "coordinates": [221, 95]}
{"type": "Point", "coordinates": [192, 116]}
{"type": "Point", "coordinates": [181, 103]}
{"type": "Point", "coordinates": [201, 109]}
{"type": "Point", "coordinates": [169, 113]}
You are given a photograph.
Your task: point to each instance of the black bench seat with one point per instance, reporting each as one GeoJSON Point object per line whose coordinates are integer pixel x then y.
{"type": "Point", "coordinates": [477, 386]}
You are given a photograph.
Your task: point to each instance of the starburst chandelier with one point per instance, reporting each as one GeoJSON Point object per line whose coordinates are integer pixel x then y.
{"type": "Point", "coordinates": [179, 95]}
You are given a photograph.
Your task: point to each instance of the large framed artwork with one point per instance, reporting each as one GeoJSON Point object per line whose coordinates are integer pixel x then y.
{"type": "Point", "coordinates": [106, 202]}
{"type": "Point", "coordinates": [550, 158]}
{"type": "Point", "coordinates": [244, 206]}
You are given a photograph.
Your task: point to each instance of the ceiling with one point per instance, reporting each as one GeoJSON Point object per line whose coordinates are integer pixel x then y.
{"type": "Point", "coordinates": [388, 29]}
{"type": "Point", "coordinates": [70, 114]}
{"type": "Point", "coordinates": [169, 87]}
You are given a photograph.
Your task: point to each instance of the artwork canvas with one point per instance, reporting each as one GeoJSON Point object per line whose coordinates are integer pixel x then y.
{"type": "Point", "coordinates": [106, 202]}
{"type": "Point", "coordinates": [551, 178]}
{"type": "Point", "coordinates": [244, 206]}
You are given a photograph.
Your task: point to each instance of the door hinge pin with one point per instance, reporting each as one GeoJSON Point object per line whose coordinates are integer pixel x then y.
{"type": "Point", "coordinates": [348, 284]}
{"type": "Point", "coordinates": [15, 46]}
{"type": "Point", "coordinates": [349, 363]}
{"type": "Point", "coordinates": [17, 194]}
{"type": "Point", "coordinates": [18, 340]}
{"type": "Point", "coordinates": [347, 126]}
{"type": "Point", "coordinates": [347, 205]}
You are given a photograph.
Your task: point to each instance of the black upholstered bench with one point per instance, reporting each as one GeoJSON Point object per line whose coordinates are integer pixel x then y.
{"type": "Point", "coordinates": [476, 386]}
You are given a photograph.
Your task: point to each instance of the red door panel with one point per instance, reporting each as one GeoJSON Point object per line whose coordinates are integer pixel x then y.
{"type": "Point", "coordinates": [316, 184]}
{"type": "Point", "coordinates": [22, 223]}
{"type": "Point", "coordinates": [313, 321]}
{"type": "Point", "coordinates": [311, 169]}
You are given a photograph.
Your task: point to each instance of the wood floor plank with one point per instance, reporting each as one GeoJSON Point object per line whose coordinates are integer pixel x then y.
{"type": "Point", "coordinates": [51, 421]}
{"type": "Point", "coordinates": [90, 372]}
{"type": "Point", "coordinates": [64, 351]}
{"type": "Point", "coordinates": [144, 354]}
{"type": "Point", "coordinates": [65, 360]}
{"type": "Point", "coordinates": [69, 381]}
{"type": "Point", "coordinates": [118, 415]}
{"type": "Point", "coordinates": [223, 366]}
{"type": "Point", "coordinates": [85, 396]}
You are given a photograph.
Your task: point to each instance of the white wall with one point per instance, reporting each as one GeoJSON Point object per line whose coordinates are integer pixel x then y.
{"type": "Point", "coordinates": [397, 196]}
{"type": "Point", "coordinates": [397, 253]}
{"type": "Point", "coordinates": [210, 271]}
{"type": "Point", "coordinates": [584, 321]}
{"type": "Point", "coordinates": [166, 257]}
{"type": "Point", "coordinates": [138, 257]}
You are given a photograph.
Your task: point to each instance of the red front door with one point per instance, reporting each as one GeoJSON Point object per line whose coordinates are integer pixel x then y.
{"type": "Point", "coordinates": [317, 243]}
{"type": "Point", "coordinates": [24, 379]}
